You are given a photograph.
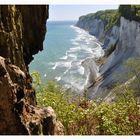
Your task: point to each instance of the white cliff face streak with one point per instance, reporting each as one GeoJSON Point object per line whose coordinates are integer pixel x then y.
{"type": "Point", "coordinates": [111, 38]}
{"type": "Point", "coordinates": [91, 71]}
{"type": "Point", "coordinates": [94, 27]}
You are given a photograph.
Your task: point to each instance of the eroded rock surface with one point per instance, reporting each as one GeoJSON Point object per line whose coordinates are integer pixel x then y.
{"type": "Point", "coordinates": [22, 31]}
{"type": "Point", "coordinates": [19, 113]}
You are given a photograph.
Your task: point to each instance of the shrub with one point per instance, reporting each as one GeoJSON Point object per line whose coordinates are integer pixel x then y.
{"type": "Point", "coordinates": [86, 117]}
{"type": "Point", "coordinates": [131, 12]}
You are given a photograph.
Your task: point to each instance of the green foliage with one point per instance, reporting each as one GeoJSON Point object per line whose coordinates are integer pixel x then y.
{"type": "Point", "coordinates": [86, 117]}
{"type": "Point", "coordinates": [112, 17]}
{"type": "Point", "coordinates": [133, 73]}
{"type": "Point", "coordinates": [115, 118]}
{"type": "Point", "coordinates": [109, 17]}
{"type": "Point", "coordinates": [131, 12]}
{"type": "Point", "coordinates": [36, 80]}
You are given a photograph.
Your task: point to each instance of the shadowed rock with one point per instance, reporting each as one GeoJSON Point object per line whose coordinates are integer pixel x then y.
{"type": "Point", "coordinates": [22, 31]}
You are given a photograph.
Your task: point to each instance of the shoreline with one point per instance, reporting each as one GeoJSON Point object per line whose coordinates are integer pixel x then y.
{"type": "Point", "coordinates": [92, 65]}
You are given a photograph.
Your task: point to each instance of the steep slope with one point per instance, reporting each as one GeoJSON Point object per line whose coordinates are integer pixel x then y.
{"type": "Point", "coordinates": [99, 23]}
{"type": "Point", "coordinates": [127, 47]}
{"type": "Point", "coordinates": [121, 42]}
{"type": "Point", "coordinates": [22, 31]}
{"type": "Point", "coordinates": [104, 25]}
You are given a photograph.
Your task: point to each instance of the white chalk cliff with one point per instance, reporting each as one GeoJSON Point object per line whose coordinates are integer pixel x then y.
{"type": "Point", "coordinates": [126, 39]}
{"type": "Point", "coordinates": [91, 70]}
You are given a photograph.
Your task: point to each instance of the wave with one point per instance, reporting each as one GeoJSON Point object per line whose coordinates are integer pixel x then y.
{"type": "Point", "coordinates": [74, 82]}
{"type": "Point", "coordinates": [84, 35]}
{"type": "Point", "coordinates": [45, 75]}
{"type": "Point", "coordinates": [69, 55]}
{"type": "Point", "coordinates": [62, 64]}
{"type": "Point", "coordinates": [74, 56]}
{"type": "Point", "coordinates": [74, 42]}
{"type": "Point", "coordinates": [78, 30]}
{"type": "Point", "coordinates": [64, 57]}
{"type": "Point", "coordinates": [84, 39]}
{"type": "Point", "coordinates": [81, 70]}
{"type": "Point", "coordinates": [58, 78]}
{"type": "Point", "coordinates": [74, 49]}
{"type": "Point", "coordinates": [51, 63]}
{"type": "Point", "coordinates": [83, 46]}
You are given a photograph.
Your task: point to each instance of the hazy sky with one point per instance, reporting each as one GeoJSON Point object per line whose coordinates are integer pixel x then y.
{"type": "Point", "coordinates": [72, 12]}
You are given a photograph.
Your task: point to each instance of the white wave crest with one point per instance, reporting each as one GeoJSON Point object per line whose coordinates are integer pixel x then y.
{"type": "Point", "coordinates": [64, 57]}
{"type": "Point", "coordinates": [81, 70]}
{"type": "Point", "coordinates": [61, 64]}
{"type": "Point", "coordinates": [58, 78]}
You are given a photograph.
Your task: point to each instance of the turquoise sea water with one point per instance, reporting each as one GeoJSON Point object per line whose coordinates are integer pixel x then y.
{"type": "Point", "coordinates": [65, 47]}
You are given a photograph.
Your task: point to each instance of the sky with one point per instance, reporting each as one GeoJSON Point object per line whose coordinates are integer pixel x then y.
{"type": "Point", "coordinates": [73, 12]}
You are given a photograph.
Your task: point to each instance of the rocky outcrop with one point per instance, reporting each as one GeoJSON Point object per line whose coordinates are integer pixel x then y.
{"type": "Point", "coordinates": [91, 71]}
{"type": "Point", "coordinates": [18, 111]}
{"type": "Point", "coordinates": [22, 31]}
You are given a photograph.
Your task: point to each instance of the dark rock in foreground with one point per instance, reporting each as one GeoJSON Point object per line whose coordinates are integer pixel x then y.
{"type": "Point", "coordinates": [22, 31]}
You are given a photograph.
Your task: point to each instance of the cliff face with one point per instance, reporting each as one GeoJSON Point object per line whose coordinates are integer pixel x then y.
{"type": "Point", "coordinates": [127, 47]}
{"type": "Point", "coordinates": [104, 25]}
{"type": "Point", "coordinates": [120, 43]}
{"type": "Point", "coordinates": [22, 31]}
{"type": "Point", "coordinates": [99, 24]}
{"type": "Point", "coordinates": [95, 27]}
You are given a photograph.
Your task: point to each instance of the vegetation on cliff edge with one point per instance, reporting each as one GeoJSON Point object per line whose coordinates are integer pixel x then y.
{"type": "Point", "coordinates": [109, 17]}
{"type": "Point", "coordinates": [86, 117]}
{"type": "Point", "coordinates": [131, 12]}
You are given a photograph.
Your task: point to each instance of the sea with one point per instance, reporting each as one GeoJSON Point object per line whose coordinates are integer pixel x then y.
{"type": "Point", "coordinates": [65, 47]}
